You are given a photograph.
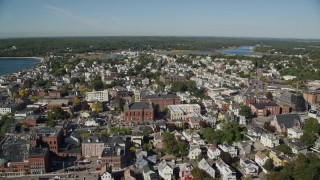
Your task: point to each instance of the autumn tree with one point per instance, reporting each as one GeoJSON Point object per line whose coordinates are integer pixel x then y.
{"type": "Point", "coordinates": [97, 107]}
{"type": "Point", "coordinates": [23, 93]}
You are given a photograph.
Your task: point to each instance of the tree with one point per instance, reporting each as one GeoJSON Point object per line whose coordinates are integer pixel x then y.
{"type": "Point", "coordinates": [198, 174]}
{"type": "Point", "coordinates": [304, 167]}
{"type": "Point", "coordinates": [245, 111]}
{"type": "Point", "coordinates": [57, 114]}
{"type": "Point", "coordinates": [23, 93]}
{"type": "Point", "coordinates": [284, 148]}
{"type": "Point", "coordinates": [268, 127]}
{"type": "Point", "coordinates": [97, 107]}
{"type": "Point", "coordinates": [51, 123]}
{"type": "Point", "coordinates": [269, 165]}
{"type": "Point", "coordinates": [85, 106]}
{"type": "Point", "coordinates": [84, 135]}
{"type": "Point", "coordinates": [269, 95]}
{"type": "Point", "coordinates": [202, 124]}
{"type": "Point", "coordinates": [183, 148]}
{"type": "Point", "coordinates": [308, 138]}
{"type": "Point", "coordinates": [311, 126]}
{"type": "Point", "coordinates": [76, 102]}
{"type": "Point", "coordinates": [200, 157]}
{"type": "Point", "coordinates": [169, 143]}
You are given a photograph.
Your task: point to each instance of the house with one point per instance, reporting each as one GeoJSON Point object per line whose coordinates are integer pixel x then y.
{"type": "Point", "coordinates": [204, 165]}
{"type": "Point", "coordinates": [269, 140]}
{"type": "Point", "coordinates": [157, 140]}
{"type": "Point", "coordinates": [279, 160]}
{"type": "Point", "coordinates": [284, 121]}
{"type": "Point", "coordinates": [184, 111]}
{"type": "Point", "coordinates": [254, 133]}
{"type": "Point", "coordinates": [148, 174]}
{"type": "Point", "coordinates": [165, 170]}
{"type": "Point", "coordinates": [142, 161]}
{"type": "Point", "coordinates": [294, 132]}
{"type": "Point", "coordinates": [226, 172]}
{"type": "Point", "coordinates": [137, 137]}
{"type": "Point", "coordinates": [185, 171]}
{"type": "Point", "coordinates": [229, 149]}
{"type": "Point", "coordinates": [260, 158]}
{"type": "Point", "coordinates": [298, 147]}
{"type": "Point", "coordinates": [106, 176]}
{"type": "Point", "coordinates": [91, 123]}
{"type": "Point", "coordinates": [199, 141]}
{"type": "Point", "coordinates": [194, 153]}
{"type": "Point", "coordinates": [244, 147]}
{"type": "Point", "coordinates": [213, 152]}
{"type": "Point", "coordinates": [248, 167]}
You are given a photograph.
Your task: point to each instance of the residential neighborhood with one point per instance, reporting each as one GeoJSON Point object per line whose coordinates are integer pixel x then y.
{"type": "Point", "coordinates": [146, 115]}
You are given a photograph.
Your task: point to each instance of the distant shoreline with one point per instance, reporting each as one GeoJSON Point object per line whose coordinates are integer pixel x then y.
{"type": "Point", "coordinates": [37, 58]}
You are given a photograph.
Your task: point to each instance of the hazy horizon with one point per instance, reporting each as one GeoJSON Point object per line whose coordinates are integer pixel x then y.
{"type": "Point", "coordinates": [286, 19]}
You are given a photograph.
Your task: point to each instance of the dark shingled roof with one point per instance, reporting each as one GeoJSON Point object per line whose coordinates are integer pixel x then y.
{"type": "Point", "coordinates": [288, 120]}
{"type": "Point", "coordinates": [263, 105]}
{"type": "Point", "coordinates": [37, 151]}
{"type": "Point", "coordinates": [140, 105]}
{"type": "Point", "coordinates": [160, 96]}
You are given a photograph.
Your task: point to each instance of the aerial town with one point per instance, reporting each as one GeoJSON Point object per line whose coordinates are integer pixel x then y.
{"type": "Point", "coordinates": [149, 115]}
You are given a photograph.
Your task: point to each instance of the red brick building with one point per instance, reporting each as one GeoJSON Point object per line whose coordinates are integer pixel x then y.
{"type": "Point", "coordinates": [51, 138]}
{"type": "Point", "coordinates": [163, 100]}
{"type": "Point", "coordinates": [55, 94]}
{"type": "Point", "coordinates": [19, 159]}
{"type": "Point", "coordinates": [138, 112]}
{"type": "Point", "coordinates": [265, 109]}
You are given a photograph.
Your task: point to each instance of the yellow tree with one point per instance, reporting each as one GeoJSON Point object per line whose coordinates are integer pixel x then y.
{"type": "Point", "coordinates": [23, 93]}
{"type": "Point", "coordinates": [76, 102]}
{"type": "Point", "coordinates": [96, 107]}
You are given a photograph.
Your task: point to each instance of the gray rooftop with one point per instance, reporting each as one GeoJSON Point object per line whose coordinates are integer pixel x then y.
{"type": "Point", "coordinates": [288, 120]}
{"type": "Point", "coordinates": [140, 106]}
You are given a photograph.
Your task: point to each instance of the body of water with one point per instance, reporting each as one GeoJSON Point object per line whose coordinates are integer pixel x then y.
{"type": "Point", "coordinates": [13, 65]}
{"type": "Point", "coordinates": [242, 50]}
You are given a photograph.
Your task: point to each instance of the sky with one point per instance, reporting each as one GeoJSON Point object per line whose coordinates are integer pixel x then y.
{"type": "Point", "coordinates": [227, 18]}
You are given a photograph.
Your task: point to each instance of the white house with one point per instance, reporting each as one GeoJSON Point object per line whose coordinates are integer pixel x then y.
{"type": "Point", "coordinates": [229, 149]}
{"type": "Point", "coordinates": [288, 77]}
{"type": "Point", "coordinates": [184, 111]}
{"type": "Point", "coordinates": [213, 152]}
{"type": "Point", "coordinates": [269, 140]}
{"type": "Point", "coordinates": [91, 123]}
{"type": "Point", "coordinates": [106, 176]}
{"type": "Point", "coordinates": [227, 172]}
{"type": "Point", "coordinates": [101, 96]}
{"type": "Point", "coordinates": [199, 141]}
{"type": "Point", "coordinates": [248, 167]}
{"type": "Point", "coordinates": [294, 132]}
{"type": "Point", "coordinates": [204, 165]}
{"type": "Point", "coordinates": [260, 158]}
{"type": "Point", "coordinates": [165, 170]}
{"type": "Point", "coordinates": [194, 153]}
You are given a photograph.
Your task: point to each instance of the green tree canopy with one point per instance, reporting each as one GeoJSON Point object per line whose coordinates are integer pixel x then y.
{"type": "Point", "coordinates": [245, 111]}
{"type": "Point", "coordinates": [198, 174]}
